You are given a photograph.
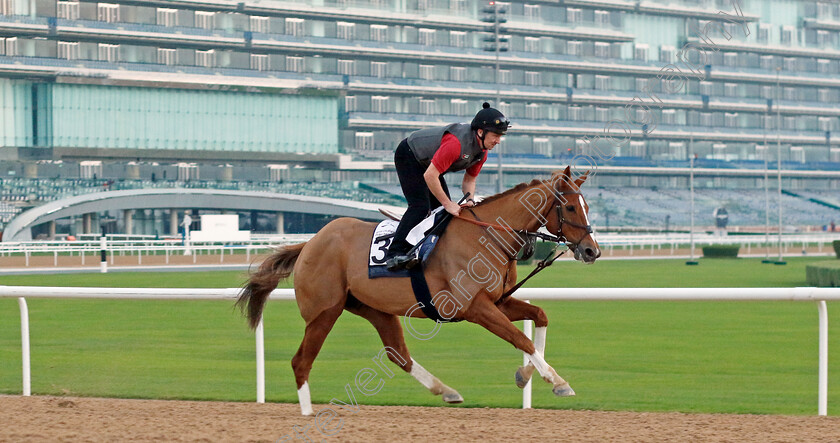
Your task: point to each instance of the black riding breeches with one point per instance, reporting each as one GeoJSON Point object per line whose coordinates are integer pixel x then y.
{"type": "Point", "coordinates": [417, 194]}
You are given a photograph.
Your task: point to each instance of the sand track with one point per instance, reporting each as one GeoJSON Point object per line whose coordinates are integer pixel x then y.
{"type": "Point", "coordinates": [44, 418]}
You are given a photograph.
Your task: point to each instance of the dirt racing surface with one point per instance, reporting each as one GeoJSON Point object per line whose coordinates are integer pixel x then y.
{"type": "Point", "coordinates": [25, 419]}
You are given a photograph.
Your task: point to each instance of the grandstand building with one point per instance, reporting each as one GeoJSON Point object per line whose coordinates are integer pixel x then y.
{"type": "Point", "coordinates": [323, 90]}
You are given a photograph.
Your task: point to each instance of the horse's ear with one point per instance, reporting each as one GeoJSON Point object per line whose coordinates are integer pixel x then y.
{"type": "Point", "coordinates": [582, 179]}
{"type": "Point", "coordinates": [567, 174]}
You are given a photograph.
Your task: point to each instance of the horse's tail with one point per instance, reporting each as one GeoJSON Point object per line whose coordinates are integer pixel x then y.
{"type": "Point", "coordinates": [278, 266]}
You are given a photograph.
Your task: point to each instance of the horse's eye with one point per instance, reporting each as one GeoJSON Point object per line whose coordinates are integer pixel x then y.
{"type": "Point", "coordinates": [570, 208]}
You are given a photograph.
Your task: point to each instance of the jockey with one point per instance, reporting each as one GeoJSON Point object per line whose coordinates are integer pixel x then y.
{"type": "Point", "coordinates": [423, 158]}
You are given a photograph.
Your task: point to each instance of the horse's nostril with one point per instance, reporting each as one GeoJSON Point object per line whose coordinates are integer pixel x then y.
{"type": "Point", "coordinates": [589, 252]}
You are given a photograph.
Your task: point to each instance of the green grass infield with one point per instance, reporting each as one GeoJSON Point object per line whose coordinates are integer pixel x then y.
{"type": "Point", "coordinates": [726, 357]}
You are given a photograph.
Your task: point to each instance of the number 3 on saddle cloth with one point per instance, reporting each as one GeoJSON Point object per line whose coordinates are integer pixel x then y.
{"type": "Point", "coordinates": [428, 231]}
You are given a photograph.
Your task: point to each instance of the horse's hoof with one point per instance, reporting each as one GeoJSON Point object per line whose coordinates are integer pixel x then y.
{"type": "Point", "coordinates": [521, 381]}
{"type": "Point", "coordinates": [563, 391]}
{"type": "Point", "coordinates": [453, 397]}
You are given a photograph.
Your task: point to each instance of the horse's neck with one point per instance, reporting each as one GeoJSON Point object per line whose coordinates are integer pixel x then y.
{"type": "Point", "coordinates": [510, 210]}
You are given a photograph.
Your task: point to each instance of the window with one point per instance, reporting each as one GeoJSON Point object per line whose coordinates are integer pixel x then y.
{"type": "Point", "coordinates": [109, 53]}
{"type": "Point", "coordinates": [797, 154]}
{"type": "Point", "coordinates": [167, 17]}
{"type": "Point", "coordinates": [379, 103]}
{"type": "Point", "coordinates": [823, 66]}
{"type": "Point", "coordinates": [457, 73]}
{"type": "Point", "coordinates": [767, 62]}
{"type": "Point", "coordinates": [90, 169]}
{"type": "Point", "coordinates": [824, 95]}
{"type": "Point", "coordinates": [205, 58]}
{"type": "Point", "coordinates": [602, 82]}
{"type": "Point", "coordinates": [426, 37]}
{"type": "Point", "coordinates": [379, 69]}
{"type": "Point", "coordinates": [731, 119]}
{"type": "Point", "coordinates": [423, 5]}
{"type": "Point", "coordinates": [294, 26]}
{"type": "Point", "coordinates": [763, 35]}
{"type": "Point", "coordinates": [350, 103]}
{"type": "Point", "coordinates": [205, 19]}
{"type": "Point", "coordinates": [259, 24]}
{"type": "Point", "coordinates": [788, 35]}
{"type": "Point", "coordinates": [542, 146]}
{"type": "Point", "coordinates": [602, 18]}
{"type": "Point", "coordinates": [379, 33]}
{"type": "Point", "coordinates": [641, 52]}
{"type": "Point", "coordinates": [427, 106]}
{"type": "Point", "coordinates": [166, 56]}
{"type": "Point", "coordinates": [826, 123]}
{"type": "Point", "coordinates": [667, 54]}
{"type": "Point", "coordinates": [575, 113]}
{"type": "Point", "coordinates": [641, 84]}
{"type": "Point", "coordinates": [504, 108]}
{"type": "Point", "coordinates": [504, 78]}
{"type": "Point", "coordinates": [345, 30]}
{"type": "Point", "coordinates": [573, 47]}
{"type": "Point", "coordinates": [573, 15]}
{"type": "Point", "coordinates": [364, 141]}
{"type": "Point", "coordinates": [458, 39]}
{"type": "Point", "coordinates": [532, 44]}
{"type": "Point", "coordinates": [730, 59]}
{"type": "Point", "coordinates": [106, 12]}
{"type": "Point", "coordinates": [11, 46]}
{"type": "Point", "coordinates": [532, 12]}
{"type": "Point", "coordinates": [7, 7]}
{"type": "Point", "coordinates": [790, 64]}
{"type": "Point", "coordinates": [427, 72]}
{"type": "Point", "coordinates": [706, 88]}
{"type": "Point", "coordinates": [458, 5]}
{"type": "Point", "coordinates": [532, 78]}
{"type": "Point", "coordinates": [706, 119]}
{"type": "Point", "coordinates": [789, 93]}
{"type": "Point", "coordinates": [68, 50]}
{"type": "Point", "coordinates": [459, 106]}
{"type": "Point", "coordinates": [730, 89]}
{"type": "Point", "coordinates": [532, 111]}
{"type": "Point", "coordinates": [294, 64]}
{"type": "Point", "coordinates": [669, 116]}
{"type": "Point", "coordinates": [602, 114]}
{"type": "Point", "coordinates": [602, 50]}
{"type": "Point", "coordinates": [259, 62]}
{"type": "Point", "coordinates": [347, 67]}
{"type": "Point", "coordinates": [65, 10]}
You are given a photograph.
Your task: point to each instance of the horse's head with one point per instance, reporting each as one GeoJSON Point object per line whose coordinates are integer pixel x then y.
{"type": "Point", "coordinates": [569, 217]}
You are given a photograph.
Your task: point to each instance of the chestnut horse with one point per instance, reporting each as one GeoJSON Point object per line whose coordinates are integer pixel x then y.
{"type": "Point", "coordinates": [472, 266]}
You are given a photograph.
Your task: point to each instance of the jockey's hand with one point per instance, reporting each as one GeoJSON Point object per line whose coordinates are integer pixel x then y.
{"type": "Point", "coordinates": [452, 208]}
{"type": "Point", "coordinates": [469, 203]}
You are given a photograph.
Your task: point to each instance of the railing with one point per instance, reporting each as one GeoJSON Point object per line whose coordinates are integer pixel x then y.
{"type": "Point", "coordinates": [818, 295]}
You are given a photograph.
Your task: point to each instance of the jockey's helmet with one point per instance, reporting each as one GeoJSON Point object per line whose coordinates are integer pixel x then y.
{"type": "Point", "coordinates": [490, 119]}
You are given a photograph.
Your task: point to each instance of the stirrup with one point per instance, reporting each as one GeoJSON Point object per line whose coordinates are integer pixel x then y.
{"type": "Point", "coordinates": [400, 262]}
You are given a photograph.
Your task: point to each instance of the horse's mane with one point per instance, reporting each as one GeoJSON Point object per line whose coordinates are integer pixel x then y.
{"type": "Point", "coordinates": [512, 190]}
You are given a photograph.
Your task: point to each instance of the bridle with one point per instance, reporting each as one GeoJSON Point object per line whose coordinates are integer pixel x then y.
{"type": "Point", "coordinates": [560, 238]}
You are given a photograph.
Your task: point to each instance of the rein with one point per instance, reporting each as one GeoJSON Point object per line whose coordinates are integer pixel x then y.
{"type": "Point", "coordinates": [557, 239]}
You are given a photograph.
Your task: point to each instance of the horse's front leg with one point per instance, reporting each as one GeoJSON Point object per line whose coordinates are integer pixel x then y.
{"type": "Point", "coordinates": [483, 312]}
{"type": "Point", "coordinates": [517, 310]}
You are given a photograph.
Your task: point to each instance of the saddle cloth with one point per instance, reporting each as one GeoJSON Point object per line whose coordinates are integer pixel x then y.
{"type": "Point", "coordinates": [383, 235]}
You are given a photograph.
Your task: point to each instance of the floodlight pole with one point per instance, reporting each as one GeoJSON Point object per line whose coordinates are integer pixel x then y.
{"type": "Point", "coordinates": [766, 194]}
{"type": "Point", "coordinates": [780, 261]}
{"type": "Point", "coordinates": [499, 180]}
{"type": "Point", "coordinates": [691, 260]}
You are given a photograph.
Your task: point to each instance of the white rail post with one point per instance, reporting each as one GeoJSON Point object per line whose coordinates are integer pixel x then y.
{"type": "Point", "coordinates": [24, 346]}
{"type": "Point", "coordinates": [822, 400]}
{"type": "Point", "coordinates": [103, 255]}
{"type": "Point", "coordinates": [260, 362]}
{"type": "Point", "coordinates": [527, 328]}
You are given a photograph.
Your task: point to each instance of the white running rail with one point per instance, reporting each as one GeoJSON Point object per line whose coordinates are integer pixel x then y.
{"type": "Point", "coordinates": [817, 295]}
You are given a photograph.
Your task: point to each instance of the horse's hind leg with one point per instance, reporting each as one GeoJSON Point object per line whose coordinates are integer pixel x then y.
{"type": "Point", "coordinates": [516, 310]}
{"type": "Point", "coordinates": [313, 338]}
{"type": "Point", "coordinates": [390, 331]}
{"type": "Point", "coordinates": [482, 311]}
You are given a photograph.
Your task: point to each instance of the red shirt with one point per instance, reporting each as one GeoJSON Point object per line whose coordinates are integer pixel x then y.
{"type": "Point", "coordinates": [449, 151]}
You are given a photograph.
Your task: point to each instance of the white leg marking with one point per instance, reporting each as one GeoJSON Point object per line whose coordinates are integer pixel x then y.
{"type": "Point", "coordinates": [539, 339]}
{"type": "Point", "coordinates": [425, 378]}
{"type": "Point", "coordinates": [305, 400]}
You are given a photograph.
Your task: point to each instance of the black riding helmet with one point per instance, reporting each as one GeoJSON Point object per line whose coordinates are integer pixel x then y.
{"type": "Point", "coordinates": [490, 119]}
